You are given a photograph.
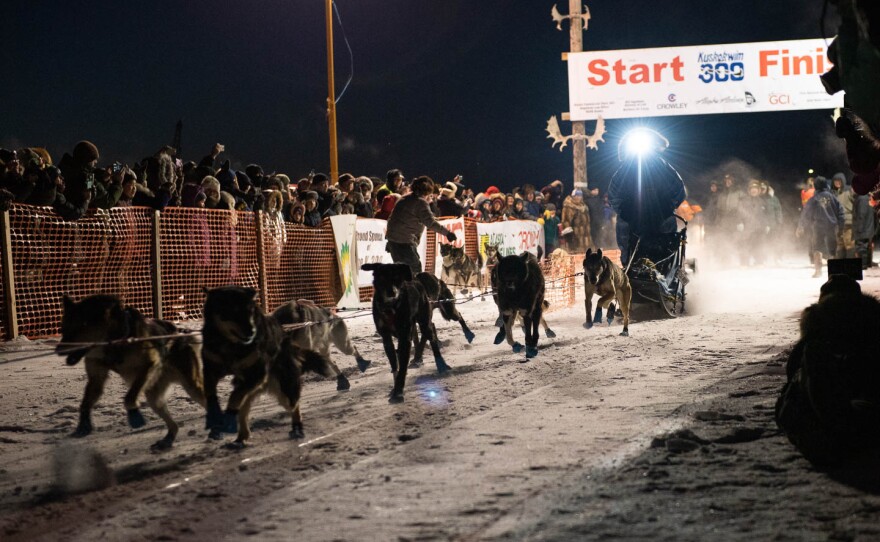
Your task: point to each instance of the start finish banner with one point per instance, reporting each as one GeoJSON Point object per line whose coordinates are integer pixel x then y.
{"type": "Point", "coordinates": [698, 80]}
{"type": "Point", "coordinates": [511, 237]}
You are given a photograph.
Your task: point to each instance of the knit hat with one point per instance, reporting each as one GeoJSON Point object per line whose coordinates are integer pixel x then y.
{"type": "Point", "coordinates": [492, 190]}
{"type": "Point", "coordinates": [225, 177]}
{"type": "Point", "coordinates": [550, 207]}
{"type": "Point", "coordinates": [539, 196]}
{"type": "Point", "coordinates": [319, 177]}
{"type": "Point", "coordinates": [253, 171]}
{"type": "Point", "coordinates": [821, 183]}
{"type": "Point", "coordinates": [211, 182]}
{"type": "Point", "coordinates": [449, 191]}
{"type": "Point", "coordinates": [191, 194]}
{"type": "Point", "coordinates": [85, 152]}
{"type": "Point", "coordinates": [577, 193]}
{"type": "Point", "coordinates": [480, 200]}
{"type": "Point", "coordinates": [309, 194]}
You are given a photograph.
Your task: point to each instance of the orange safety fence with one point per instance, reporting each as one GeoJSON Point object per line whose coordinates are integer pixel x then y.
{"type": "Point", "coordinates": [105, 251]}
{"type": "Point", "coordinates": [113, 252]}
{"type": "Point", "coordinates": [204, 248]}
{"type": "Point", "coordinates": [300, 263]}
{"type": "Point", "coordinates": [3, 322]}
{"type": "Point", "coordinates": [560, 281]}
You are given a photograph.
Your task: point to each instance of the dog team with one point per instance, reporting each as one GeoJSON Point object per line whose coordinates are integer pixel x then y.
{"type": "Point", "coordinates": [270, 352]}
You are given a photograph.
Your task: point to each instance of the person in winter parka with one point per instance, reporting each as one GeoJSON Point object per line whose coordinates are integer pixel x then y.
{"type": "Point", "coordinates": [822, 221]}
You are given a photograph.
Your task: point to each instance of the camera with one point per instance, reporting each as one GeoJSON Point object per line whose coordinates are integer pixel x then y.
{"type": "Point", "coordinates": [116, 167]}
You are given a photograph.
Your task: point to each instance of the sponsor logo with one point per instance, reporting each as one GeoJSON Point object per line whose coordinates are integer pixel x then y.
{"type": "Point", "coordinates": [779, 99]}
{"type": "Point", "coordinates": [671, 98]}
{"type": "Point", "coordinates": [721, 66]}
{"type": "Point", "coordinates": [750, 99]}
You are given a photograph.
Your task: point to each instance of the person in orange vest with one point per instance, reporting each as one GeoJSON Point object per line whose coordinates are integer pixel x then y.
{"type": "Point", "coordinates": [807, 192]}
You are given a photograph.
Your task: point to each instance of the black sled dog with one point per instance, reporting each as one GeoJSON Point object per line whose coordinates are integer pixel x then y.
{"type": "Point", "coordinates": [441, 297]}
{"type": "Point", "coordinates": [400, 306]}
{"type": "Point", "coordinates": [240, 340]}
{"type": "Point", "coordinates": [145, 357]}
{"type": "Point", "coordinates": [519, 286]}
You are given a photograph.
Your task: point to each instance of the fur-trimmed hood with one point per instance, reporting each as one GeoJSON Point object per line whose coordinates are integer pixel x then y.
{"type": "Point", "coordinates": [569, 203]}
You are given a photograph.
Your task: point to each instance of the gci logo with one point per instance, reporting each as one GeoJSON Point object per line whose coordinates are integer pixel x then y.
{"type": "Point", "coordinates": [721, 72]}
{"type": "Point", "coordinates": [779, 99]}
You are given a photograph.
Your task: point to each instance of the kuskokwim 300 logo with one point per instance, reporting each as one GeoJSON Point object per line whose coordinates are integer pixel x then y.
{"type": "Point", "coordinates": [721, 67]}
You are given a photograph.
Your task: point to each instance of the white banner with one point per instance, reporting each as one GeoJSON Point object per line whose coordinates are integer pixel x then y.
{"type": "Point", "coordinates": [511, 237]}
{"type": "Point", "coordinates": [730, 78]}
{"type": "Point", "coordinates": [370, 234]}
{"type": "Point", "coordinates": [346, 254]}
{"type": "Point", "coordinates": [456, 226]}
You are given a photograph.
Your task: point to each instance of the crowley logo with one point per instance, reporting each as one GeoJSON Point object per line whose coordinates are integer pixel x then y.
{"type": "Point", "coordinates": [673, 103]}
{"type": "Point", "coordinates": [779, 99]}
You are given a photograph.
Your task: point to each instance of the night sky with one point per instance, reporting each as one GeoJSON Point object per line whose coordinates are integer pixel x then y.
{"type": "Point", "coordinates": [440, 86]}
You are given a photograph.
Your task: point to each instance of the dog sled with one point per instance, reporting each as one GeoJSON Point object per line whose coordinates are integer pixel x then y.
{"type": "Point", "coordinates": [658, 270]}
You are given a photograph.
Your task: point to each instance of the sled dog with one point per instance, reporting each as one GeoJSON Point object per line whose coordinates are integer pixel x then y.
{"type": "Point", "coordinates": [519, 284]}
{"type": "Point", "coordinates": [460, 270]}
{"type": "Point", "coordinates": [148, 365]}
{"type": "Point", "coordinates": [319, 337]}
{"type": "Point", "coordinates": [240, 340]}
{"type": "Point", "coordinates": [400, 305]}
{"type": "Point", "coordinates": [607, 280]}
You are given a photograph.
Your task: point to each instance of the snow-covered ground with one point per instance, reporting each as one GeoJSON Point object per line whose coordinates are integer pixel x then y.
{"type": "Point", "coordinates": [501, 448]}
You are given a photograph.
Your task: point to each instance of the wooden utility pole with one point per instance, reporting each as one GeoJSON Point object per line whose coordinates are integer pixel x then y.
{"type": "Point", "coordinates": [579, 150]}
{"type": "Point", "coordinates": [331, 96]}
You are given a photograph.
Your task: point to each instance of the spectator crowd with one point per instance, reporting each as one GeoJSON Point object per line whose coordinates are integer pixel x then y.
{"type": "Point", "coordinates": [574, 220]}
{"type": "Point", "coordinates": [834, 222]}
{"type": "Point", "coordinates": [740, 225]}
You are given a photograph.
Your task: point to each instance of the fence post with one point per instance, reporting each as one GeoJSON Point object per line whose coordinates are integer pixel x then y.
{"type": "Point", "coordinates": [156, 261]}
{"type": "Point", "coordinates": [261, 263]}
{"type": "Point", "coordinates": [8, 277]}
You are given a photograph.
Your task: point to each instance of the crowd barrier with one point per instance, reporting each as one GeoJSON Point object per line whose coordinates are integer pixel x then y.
{"type": "Point", "coordinates": [161, 262]}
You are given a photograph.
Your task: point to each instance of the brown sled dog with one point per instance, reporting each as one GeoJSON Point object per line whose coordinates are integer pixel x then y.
{"type": "Point", "coordinates": [319, 337]}
{"type": "Point", "coordinates": [460, 270]}
{"type": "Point", "coordinates": [605, 278]}
{"type": "Point", "coordinates": [147, 365]}
{"type": "Point", "coordinates": [240, 340]}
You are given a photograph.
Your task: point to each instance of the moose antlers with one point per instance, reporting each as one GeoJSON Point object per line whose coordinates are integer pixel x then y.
{"type": "Point", "coordinates": [592, 140]}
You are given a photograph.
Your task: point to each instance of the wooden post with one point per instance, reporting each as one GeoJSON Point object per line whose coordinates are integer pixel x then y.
{"type": "Point", "coordinates": [331, 96]}
{"type": "Point", "coordinates": [261, 262]}
{"type": "Point", "coordinates": [11, 316]}
{"type": "Point", "coordinates": [579, 146]}
{"type": "Point", "coordinates": [156, 265]}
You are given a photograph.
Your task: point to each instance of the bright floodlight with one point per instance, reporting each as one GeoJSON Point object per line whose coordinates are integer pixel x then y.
{"type": "Point", "coordinates": [640, 142]}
